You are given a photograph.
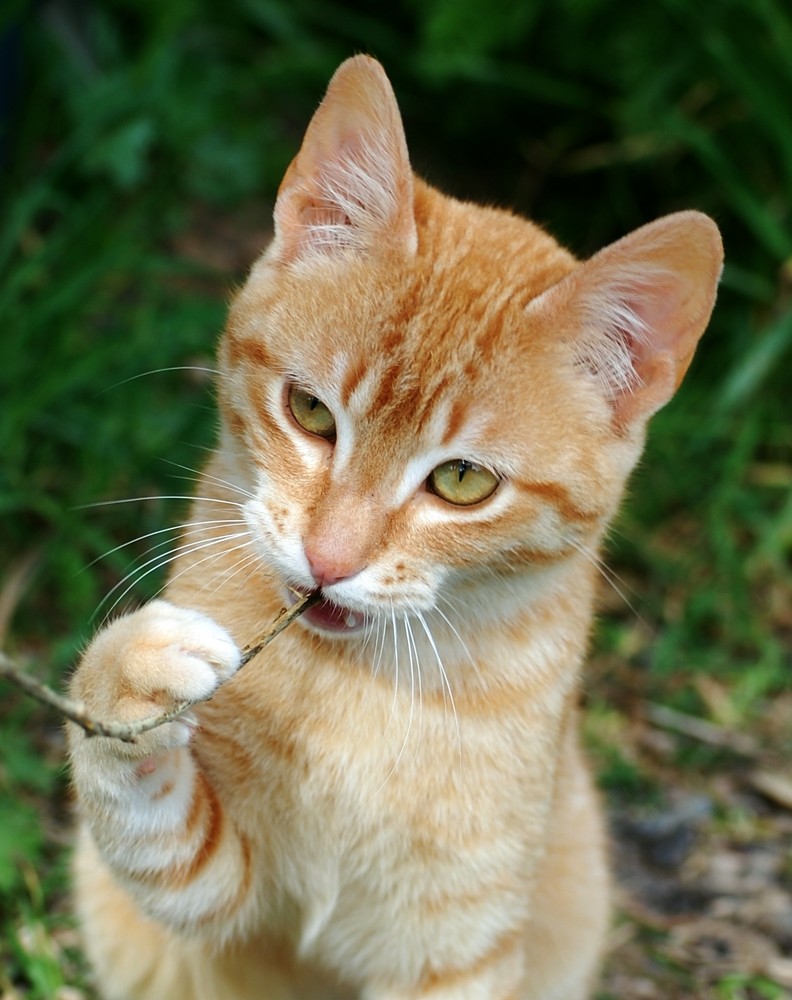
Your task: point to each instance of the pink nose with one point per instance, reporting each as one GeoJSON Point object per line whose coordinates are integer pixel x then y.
{"type": "Point", "coordinates": [327, 570]}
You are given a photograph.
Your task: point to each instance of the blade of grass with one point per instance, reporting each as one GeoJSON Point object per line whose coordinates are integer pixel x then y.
{"type": "Point", "coordinates": [774, 236]}
{"type": "Point", "coordinates": [757, 363]}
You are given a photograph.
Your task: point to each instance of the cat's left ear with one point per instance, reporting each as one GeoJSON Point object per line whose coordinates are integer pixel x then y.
{"type": "Point", "coordinates": [639, 307]}
{"type": "Point", "coordinates": [351, 186]}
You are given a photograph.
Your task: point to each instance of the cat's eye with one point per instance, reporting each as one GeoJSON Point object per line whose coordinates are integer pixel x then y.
{"type": "Point", "coordinates": [311, 413]}
{"type": "Point", "coordinates": [462, 483]}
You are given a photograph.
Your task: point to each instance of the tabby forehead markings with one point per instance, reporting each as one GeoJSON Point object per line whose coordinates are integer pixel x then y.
{"type": "Point", "coordinates": [353, 377]}
{"type": "Point", "coordinates": [390, 391]}
{"type": "Point", "coordinates": [408, 306]}
{"type": "Point", "coordinates": [243, 347]}
{"type": "Point", "coordinates": [490, 334]}
{"type": "Point", "coordinates": [359, 401]}
{"type": "Point", "coordinates": [427, 414]}
{"type": "Point", "coordinates": [455, 420]}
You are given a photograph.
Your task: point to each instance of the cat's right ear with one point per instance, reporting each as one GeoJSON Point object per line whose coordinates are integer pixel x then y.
{"type": "Point", "coordinates": [351, 186]}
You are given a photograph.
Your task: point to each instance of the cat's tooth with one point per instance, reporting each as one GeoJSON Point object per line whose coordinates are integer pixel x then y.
{"type": "Point", "coordinates": [351, 620]}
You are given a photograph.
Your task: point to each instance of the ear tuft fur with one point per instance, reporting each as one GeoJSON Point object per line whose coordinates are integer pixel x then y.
{"type": "Point", "coordinates": [615, 328]}
{"type": "Point", "coordinates": [638, 308]}
{"type": "Point", "coordinates": [350, 188]}
{"type": "Point", "coordinates": [352, 199]}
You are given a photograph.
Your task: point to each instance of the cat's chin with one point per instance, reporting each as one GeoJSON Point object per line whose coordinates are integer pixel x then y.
{"type": "Point", "coordinates": [329, 618]}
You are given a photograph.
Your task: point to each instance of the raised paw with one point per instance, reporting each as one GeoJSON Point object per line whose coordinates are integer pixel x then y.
{"type": "Point", "coordinates": [152, 661]}
{"type": "Point", "coordinates": [149, 807]}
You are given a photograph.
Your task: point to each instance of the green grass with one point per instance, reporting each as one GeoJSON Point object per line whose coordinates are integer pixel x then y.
{"type": "Point", "coordinates": [742, 987]}
{"type": "Point", "coordinates": [138, 127]}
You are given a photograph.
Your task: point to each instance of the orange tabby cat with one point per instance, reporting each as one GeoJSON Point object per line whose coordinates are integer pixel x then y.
{"type": "Point", "coordinates": [429, 410]}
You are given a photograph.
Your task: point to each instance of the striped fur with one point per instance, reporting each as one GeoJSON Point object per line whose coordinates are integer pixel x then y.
{"type": "Point", "coordinates": [396, 809]}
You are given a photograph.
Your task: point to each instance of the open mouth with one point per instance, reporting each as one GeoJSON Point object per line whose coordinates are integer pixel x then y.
{"type": "Point", "coordinates": [330, 617]}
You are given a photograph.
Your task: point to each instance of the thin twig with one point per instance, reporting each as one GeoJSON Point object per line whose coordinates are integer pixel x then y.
{"type": "Point", "coordinates": [700, 729]}
{"type": "Point", "coordinates": [129, 731]}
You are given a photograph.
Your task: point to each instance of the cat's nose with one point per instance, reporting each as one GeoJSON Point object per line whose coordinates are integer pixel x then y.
{"type": "Point", "coordinates": [327, 570]}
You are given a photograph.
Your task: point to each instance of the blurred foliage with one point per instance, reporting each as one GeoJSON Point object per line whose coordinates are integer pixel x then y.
{"type": "Point", "coordinates": [590, 115]}
{"type": "Point", "coordinates": [130, 127]}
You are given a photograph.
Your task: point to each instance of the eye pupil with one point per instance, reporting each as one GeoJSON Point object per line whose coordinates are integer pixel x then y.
{"type": "Point", "coordinates": [462, 483]}
{"type": "Point", "coordinates": [311, 413]}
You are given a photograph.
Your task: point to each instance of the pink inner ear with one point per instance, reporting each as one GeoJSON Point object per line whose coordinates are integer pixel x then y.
{"type": "Point", "coordinates": [655, 330]}
{"type": "Point", "coordinates": [642, 304]}
{"type": "Point", "coordinates": [350, 187]}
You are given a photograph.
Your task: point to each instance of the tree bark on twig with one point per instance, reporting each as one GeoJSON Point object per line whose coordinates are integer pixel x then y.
{"type": "Point", "coordinates": [129, 731]}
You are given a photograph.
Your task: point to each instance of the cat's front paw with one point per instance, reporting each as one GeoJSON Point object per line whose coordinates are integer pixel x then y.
{"type": "Point", "coordinates": [150, 809]}
{"type": "Point", "coordinates": [150, 662]}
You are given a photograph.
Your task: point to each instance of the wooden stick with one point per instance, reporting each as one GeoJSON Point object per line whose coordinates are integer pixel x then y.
{"type": "Point", "coordinates": [700, 729]}
{"type": "Point", "coordinates": [129, 731]}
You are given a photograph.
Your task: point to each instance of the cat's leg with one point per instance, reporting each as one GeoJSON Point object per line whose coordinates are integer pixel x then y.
{"type": "Point", "coordinates": [154, 816]}
{"type": "Point", "coordinates": [134, 957]}
{"type": "Point", "coordinates": [571, 900]}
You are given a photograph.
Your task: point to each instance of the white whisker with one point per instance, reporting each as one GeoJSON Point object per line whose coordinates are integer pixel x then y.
{"type": "Point", "coordinates": [412, 706]}
{"type": "Point", "coordinates": [371, 629]}
{"type": "Point", "coordinates": [413, 644]}
{"type": "Point", "coordinates": [395, 670]}
{"type": "Point", "coordinates": [188, 527]}
{"type": "Point", "coordinates": [608, 575]}
{"type": "Point", "coordinates": [158, 563]}
{"type": "Point", "coordinates": [202, 474]}
{"type": "Point", "coordinates": [379, 643]}
{"type": "Point", "coordinates": [247, 559]}
{"type": "Point", "coordinates": [207, 558]}
{"type": "Point", "coordinates": [112, 503]}
{"type": "Point", "coordinates": [252, 559]}
{"type": "Point", "coordinates": [159, 371]}
{"type": "Point", "coordinates": [453, 628]}
{"type": "Point", "coordinates": [444, 681]}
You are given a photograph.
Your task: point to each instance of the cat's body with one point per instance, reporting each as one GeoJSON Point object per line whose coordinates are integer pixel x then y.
{"type": "Point", "coordinates": [429, 411]}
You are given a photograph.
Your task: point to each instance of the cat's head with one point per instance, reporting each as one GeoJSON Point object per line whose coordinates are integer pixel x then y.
{"type": "Point", "coordinates": [432, 402]}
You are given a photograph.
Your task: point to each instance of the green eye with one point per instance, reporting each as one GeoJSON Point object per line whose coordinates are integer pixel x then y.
{"type": "Point", "coordinates": [462, 483]}
{"type": "Point", "coordinates": [311, 413]}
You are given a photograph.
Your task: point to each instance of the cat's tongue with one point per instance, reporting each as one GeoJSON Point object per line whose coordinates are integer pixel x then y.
{"type": "Point", "coordinates": [333, 618]}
